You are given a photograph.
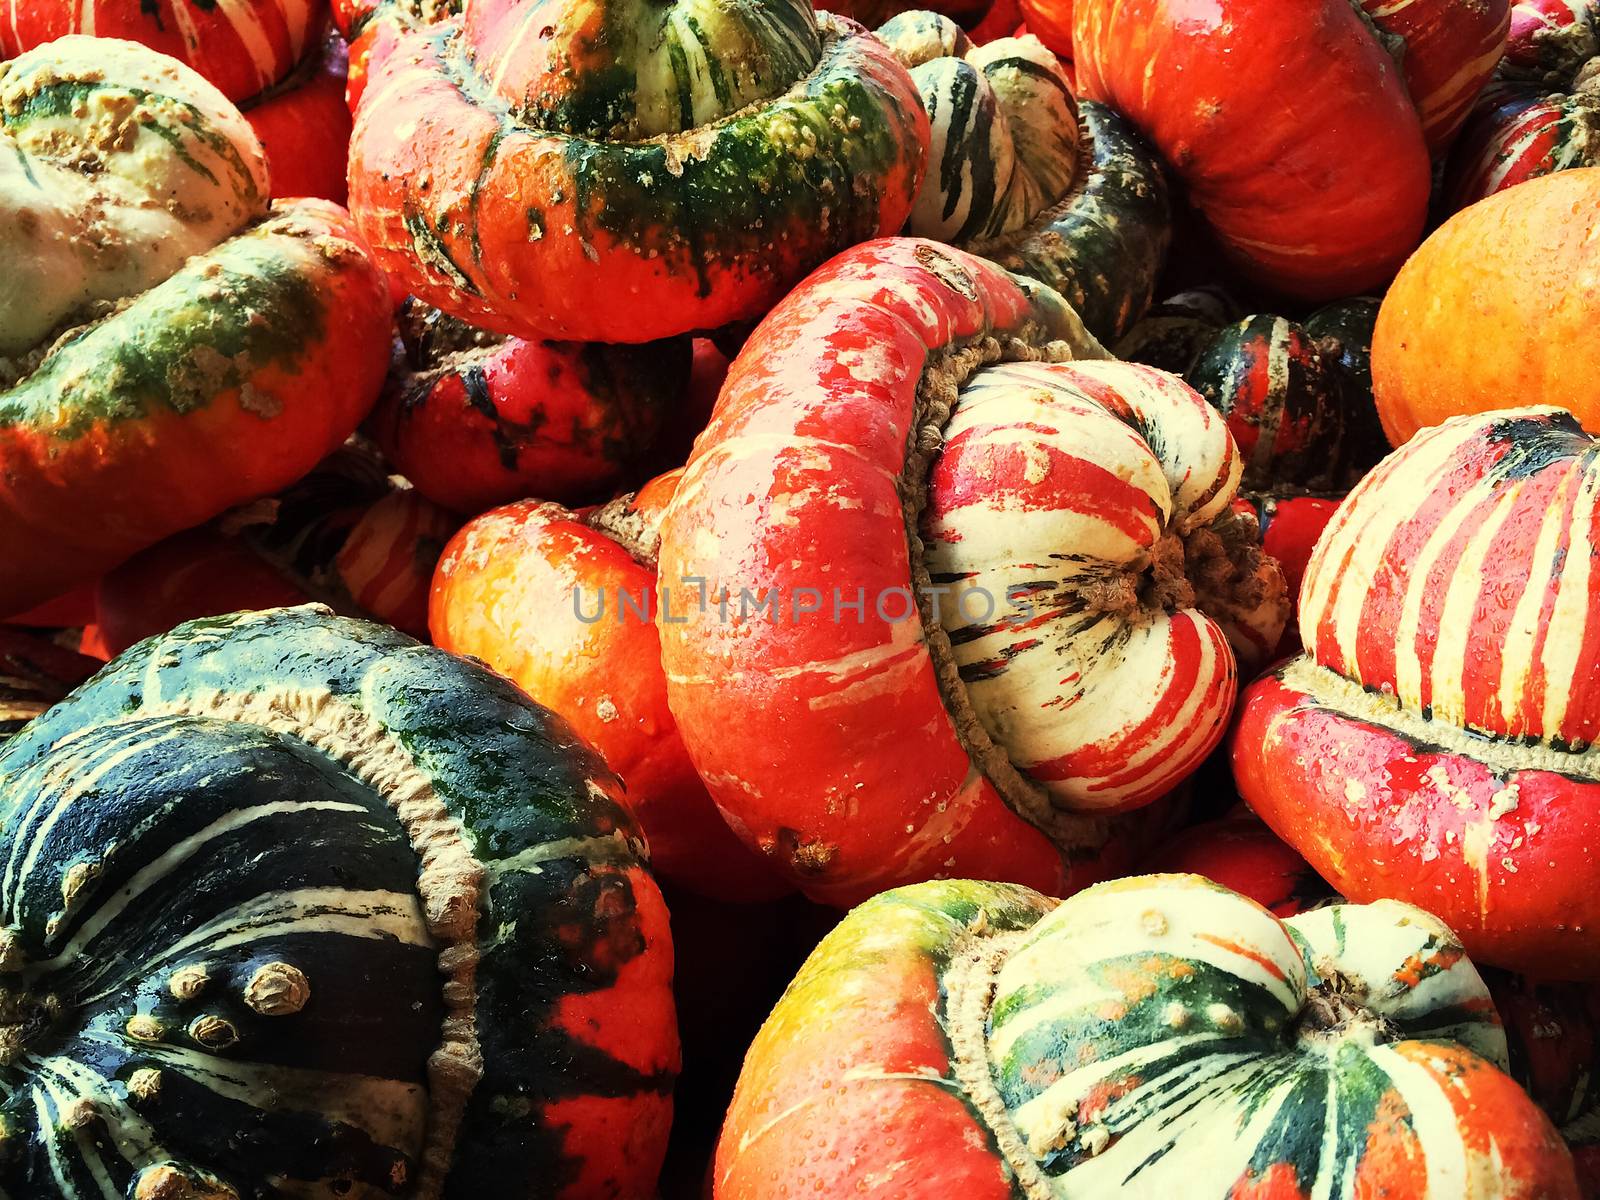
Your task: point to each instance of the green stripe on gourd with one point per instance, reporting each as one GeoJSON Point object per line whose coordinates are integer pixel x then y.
{"type": "Point", "coordinates": [254, 301]}
{"type": "Point", "coordinates": [1004, 124]}
{"type": "Point", "coordinates": [235, 869]}
{"type": "Point", "coordinates": [638, 69]}
{"type": "Point", "coordinates": [1195, 1015]}
{"type": "Point", "coordinates": [116, 164]}
{"type": "Point", "coordinates": [812, 156]}
{"type": "Point", "coordinates": [1164, 1036]}
{"type": "Point", "coordinates": [1102, 246]}
{"type": "Point", "coordinates": [1020, 172]}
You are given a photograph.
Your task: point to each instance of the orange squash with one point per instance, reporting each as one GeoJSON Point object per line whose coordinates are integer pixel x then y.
{"type": "Point", "coordinates": [1496, 310]}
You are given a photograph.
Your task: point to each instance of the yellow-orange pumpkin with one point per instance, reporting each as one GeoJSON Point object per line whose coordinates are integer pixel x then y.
{"type": "Point", "coordinates": [1496, 310]}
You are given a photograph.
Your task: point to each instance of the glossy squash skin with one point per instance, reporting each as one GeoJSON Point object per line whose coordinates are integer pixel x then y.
{"type": "Point", "coordinates": [1436, 741]}
{"type": "Point", "coordinates": [573, 193]}
{"type": "Point", "coordinates": [340, 915]}
{"type": "Point", "coordinates": [243, 48]}
{"type": "Point", "coordinates": [565, 605]}
{"type": "Point", "coordinates": [1243, 855]}
{"type": "Point", "coordinates": [1051, 22]}
{"type": "Point", "coordinates": [1486, 315]}
{"type": "Point", "coordinates": [1023, 174]}
{"type": "Point", "coordinates": [1297, 394]}
{"type": "Point", "coordinates": [474, 419]}
{"type": "Point", "coordinates": [304, 126]}
{"type": "Point", "coordinates": [1290, 125]}
{"type": "Point", "coordinates": [894, 741]}
{"type": "Point", "coordinates": [1152, 1037]}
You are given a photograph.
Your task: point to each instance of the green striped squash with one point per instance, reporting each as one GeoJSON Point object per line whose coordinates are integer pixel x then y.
{"type": "Point", "coordinates": [293, 906]}
{"type": "Point", "coordinates": [1059, 189]}
{"type": "Point", "coordinates": [1159, 1037]}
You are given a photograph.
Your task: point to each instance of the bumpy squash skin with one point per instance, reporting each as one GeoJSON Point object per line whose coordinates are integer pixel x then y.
{"type": "Point", "coordinates": [537, 592]}
{"type": "Point", "coordinates": [243, 48]}
{"type": "Point", "coordinates": [474, 420]}
{"type": "Point", "coordinates": [1436, 742]}
{"type": "Point", "coordinates": [973, 1039]}
{"type": "Point", "coordinates": [1289, 124]}
{"type": "Point", "coordinates": [1103, 246]}
{"type": "Point", "coordinates": [539, 233]}
{"type": "Point", "coordinates": [569, 1000]}
{"type": "Point", "coordinates": [236, 375]}
{"type": "Point", "coordinates": [1486, 314]}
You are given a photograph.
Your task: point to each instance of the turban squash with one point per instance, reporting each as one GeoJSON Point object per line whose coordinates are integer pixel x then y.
{"type": "Point", "coordinates": [293, 905]}
{"type": "Point", "coordinates": [622, 171]}
{"type": "Point", "coordinates": [1297, 394]}
{"type": "Point", "coordinates": [1542, 111]}
{"type": "Point", "coordinates": [1436, 741]}
{"type": "Point", "coordinates": [1552, 1029]}
{"type": "Point", "coordinates": [1152, 1037]}
{"type": "Point", "coordinates": [1493, 310]}
{"type": "Point", "coordinates": [243, 48]}
{"type": "Point", "coordinates": [562, 603]}
{"type": "Point", "coordinates": [945, 600]}
{"type": "Point", "coordinates": [1022, 173]}
{"type": "Point", "coordinates": [345, 535]}
{"type": "Point", "coordinates": [1296, 134]}
{"type": "Point", "coordinates": [219, 343]}
{"type": "Point", "coordinates": [475, 419]}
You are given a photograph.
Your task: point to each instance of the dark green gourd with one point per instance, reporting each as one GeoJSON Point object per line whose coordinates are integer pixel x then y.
{"type": "Point", "coordinates": [291, 905]}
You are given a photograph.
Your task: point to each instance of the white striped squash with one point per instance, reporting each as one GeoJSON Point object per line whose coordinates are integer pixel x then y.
{"type": "Point", "coordinates": [1149, 1038]}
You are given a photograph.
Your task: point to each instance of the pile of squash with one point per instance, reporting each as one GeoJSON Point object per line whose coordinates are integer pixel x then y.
{"type": "Point", "coordinates": [724, 600]}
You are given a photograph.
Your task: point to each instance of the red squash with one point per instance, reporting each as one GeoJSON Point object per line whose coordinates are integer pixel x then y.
{"type": "Point", "coordinates": [236, 345]}
{"type": "Point", "coordinates": [304, 126]}
{"type": "Point", "coordinates": [243, 48]}
{"type": "Point", "coordinates": [1244, 855]}
{"type": "Point", "coordinates": [1051, 22]}
{"type": "Point", "coordinates": [1542, 112]}
{"type": "Point", "coordinates": [475, 419]}
{"type": "Point", "coordinates": [1436, 742]}
{"type": "Point", "coordinates": [1290, 526]}
{"type": "Point", "coordinates": [343, 535]}
{"type": "Point", "coordinates": [569, 189]}
{"type": "Point", "coordinates": [872, 632]}
{"type": "Point", "coordinates": [70, 610]}
{"type": "Point", "coordinates": [563, 604]}
{"type": "Point", "coordinates": [1289, 122]}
